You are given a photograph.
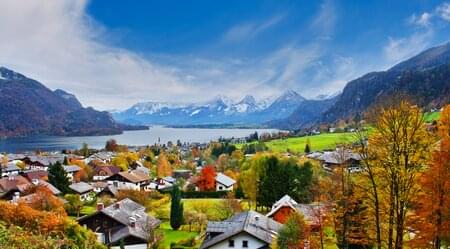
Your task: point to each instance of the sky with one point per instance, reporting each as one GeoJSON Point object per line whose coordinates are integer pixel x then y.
{"type": "Point", "coordinates": [112, 54]}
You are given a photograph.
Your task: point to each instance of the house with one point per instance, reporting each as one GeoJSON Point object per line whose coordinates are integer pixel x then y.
{"type": "Point", "coordinates": [10, 170]}
{"type": "Point", "coordinates": [109, 191]}
{"type": "Point", "coordinates": [340, 157]}
{"type": "Point", "coordinates": [162, 184]}
{"type": "Point", "coordinates": [103, 156]}
{"type": "Point", "coordinates": [224, 182]}
{"type": "Point", "coordinates": [14, 186]}
{"type": "Point", "coordinates": [85, 190]}
{"type": "Point", "coordinates": [99, 186]}
{"type": "Point", "coordinates": [244, 230]}
{"type": "Point", "coordinates": [35, 174]}
{"type": "Point", "coordinates": [71, 170]}
{"type": "Point", "coordinates": [103, 172]}
{"type": "Point", "coordinates": [125, 221]}
{"type": "Point", "coordinates": [313, 214]}
{"type": "Point", "coordinates": [131, 179]}
{"type": "Point", "coordinates": [182, 173]}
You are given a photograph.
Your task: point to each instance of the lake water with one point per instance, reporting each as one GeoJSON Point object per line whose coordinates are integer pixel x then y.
{"type": "Point", "coordinates": [143, 137]}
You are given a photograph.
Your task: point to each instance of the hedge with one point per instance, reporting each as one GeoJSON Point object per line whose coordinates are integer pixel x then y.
{"type": "Point", "coordinates": [200, 194]}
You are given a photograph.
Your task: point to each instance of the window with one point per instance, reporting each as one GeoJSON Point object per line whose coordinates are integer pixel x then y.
{"type": "Point", "coordinates": [220, 187]}
{"type": "Point", "coordinates": [231, 243]}
{"type": "Point", "coordinates": [245, 244]}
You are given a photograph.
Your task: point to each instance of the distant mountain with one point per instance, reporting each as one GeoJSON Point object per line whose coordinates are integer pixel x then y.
{"type": "Point", "coordinates": [30, 108]}
{"type": "Point", "coordinates": [425, 77]}
{"type": "Point", "coordinates": [220, 110]}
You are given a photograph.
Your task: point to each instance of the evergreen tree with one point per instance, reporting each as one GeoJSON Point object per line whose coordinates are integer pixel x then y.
{"type": "Point", "coordinates": [307, 146]}
{"type": "Point", "coordinates": [85, 150]}
{"type": "Point", "coordinates": [57, 176]}
{"type": "Point", "coordinates": [176, 209]}
{"type": "Point", "coordinates": [66, 161]}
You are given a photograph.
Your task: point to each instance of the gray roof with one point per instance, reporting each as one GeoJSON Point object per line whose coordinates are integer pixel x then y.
{"type": "Point", "coordinates": [251, 222]}
{"type": "Point", "coordinates": [71, 168]}
{"type": "Point", "coordinates": [81, 187]}
{"type": "Point", "coordinates": [225, 180]}
{"type": "Point", "coordinates": [338, 156]}
{"type": "Point", "coordinates": [122, 211]}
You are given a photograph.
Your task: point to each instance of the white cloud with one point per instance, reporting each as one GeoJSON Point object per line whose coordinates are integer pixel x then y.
{"type": "Point", "coordinates": [398, 49]}
{"type": "Point", "coordinates": [56, 43]}
{"type": "Point", "coordinates": [249, 30]}
{"type": "Point", "coordinates": [443, 11]}
{"type": "Point", "coordinates": [423, 20]}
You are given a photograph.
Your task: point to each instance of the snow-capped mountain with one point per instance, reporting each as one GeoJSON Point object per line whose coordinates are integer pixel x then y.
{"type": "Point", "coordinates": [219, 110]}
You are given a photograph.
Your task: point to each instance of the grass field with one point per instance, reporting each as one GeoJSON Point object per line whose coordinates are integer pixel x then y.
{"type": "Point", "coordinates": [318, 142]}
{"type": "Point", "coordinates": [174, 236]}
{"type": "Point", "coordinates": [431, 116]}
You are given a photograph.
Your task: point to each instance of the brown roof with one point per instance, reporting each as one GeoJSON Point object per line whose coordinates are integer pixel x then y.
{"type": "Point", "coordinates": [135, 176]}
{"type": "Point", "coordinates": [36, 174]}
{"type": "Point", "coordinates": [109, 170]}
{"type": "Point", "coordinates": [12, 182]}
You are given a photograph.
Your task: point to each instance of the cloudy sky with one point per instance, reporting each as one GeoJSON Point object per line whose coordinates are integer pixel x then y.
{"type": "Point", "coordinates": [112, 54]}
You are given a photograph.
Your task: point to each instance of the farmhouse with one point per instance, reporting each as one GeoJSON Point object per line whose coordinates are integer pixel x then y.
{"type": "Point", "coordinates": [83, 189]}
{"type": "Point", "coordinates": [131, 179]}
{"type": "Point", "coordinates": [312, 213]}
{"type": "Point", "coordinates": [245, 230]}
{"type": "Point", "coordinates": [124, 221]}
{"type": "Point", "coordinates": [224, 182]}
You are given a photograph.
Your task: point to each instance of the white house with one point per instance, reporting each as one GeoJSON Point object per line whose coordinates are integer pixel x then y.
{"type": "Point", "coordinates": [83, 189]}
{"type": "Point", "coordinates": [71, 170]}
{"type": "Point", "coordinates": [224, 182]}
{"type": "Point", "coordinates": [132, 179]}
{"type": "Point", "coordinates": [244, 230]}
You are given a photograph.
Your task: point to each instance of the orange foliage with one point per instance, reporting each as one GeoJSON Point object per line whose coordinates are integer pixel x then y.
{"type": "Point", "coordinates": [43, 199]}
{"type": "Point", "coordinates": [207, 179]}
{"type": "Point", "coordinates": [432, 221]}
{"type": "Point", "coordinates": [163, 166]}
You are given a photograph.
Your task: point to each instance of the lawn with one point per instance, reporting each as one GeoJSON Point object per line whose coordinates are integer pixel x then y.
{"type": "Point", "coordinates": [431, 116]}
{"type": "Point", "coordinates": [174, 236]}
{"type": "Point", "coordinates": [318, 142]}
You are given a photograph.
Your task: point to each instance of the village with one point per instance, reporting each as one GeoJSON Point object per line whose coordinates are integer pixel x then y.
{"type": "Point", "coordinates": [120, 192]}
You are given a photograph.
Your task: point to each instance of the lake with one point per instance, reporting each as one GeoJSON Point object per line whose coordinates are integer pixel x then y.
{"type": "Point", "coordinates": [143, 137]}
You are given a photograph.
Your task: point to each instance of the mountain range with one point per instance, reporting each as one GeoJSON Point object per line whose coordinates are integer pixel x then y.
{"type": "Point", "coordinates": [220, 110]}
{"type": "Point", "coordinates": [29, 108]}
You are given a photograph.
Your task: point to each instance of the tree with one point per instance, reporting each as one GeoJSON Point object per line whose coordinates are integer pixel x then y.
{"type": "Point", "coordinates": [207, 179]}
{"type": "Point", "coordinates": [433, 205]}
{"type": "Point", "coordinates": [85, 150]}
{"type": "Point", "coordinates": [66, 161]}
{"type": "Point", "coordinates": [307, 146]}
{"type": "Point", "coordinates": [399, 145]}
{"type": "Point", "coordinates": [163, 167]}
{"type": "Point", "coordinates": [111, 145]}
{"type": "Point", "coordinates": [176, 209]}
{"type": "Point", "coordinates": [57, 176]}
{"type": "Point", "coordinates": [294, 233]}
{"type": "Point", "coordinates": [74, 204]}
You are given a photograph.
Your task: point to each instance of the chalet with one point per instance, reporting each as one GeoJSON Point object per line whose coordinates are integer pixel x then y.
{"type": "Point", "coordinates": [103, 172]}
{"type": "Point", "coordinates": [224, 182]}
{"type": "Point", "coordinates": [83, 189]}
{"type": "Point", "coordinates": [35, 174]}
{"type": "Point", "coordinates": [71, 170]}
{"type": "Point", "coordinates": [99, 186]}
{"type": "Point", "coordinates": [11, 169]}
{"type": "Point", "coordinates": [245, 230]}
{"type": "Point", "coordinates": [103, 156]}
{"type": "Point", "coordinates": [125, 221]}
{"type": "Point", "coordinates": [14, 186]}
{"type": "Point", "coordinates": [131, 179]}
{"type": "Point", "coordinates": [340, 157]}
{"type": "Point", "coordinates": [162, 184]}
{"type": "Point", "coordinates": [312, 213]}
{"type": "Point", "coordinates": [109, 191]}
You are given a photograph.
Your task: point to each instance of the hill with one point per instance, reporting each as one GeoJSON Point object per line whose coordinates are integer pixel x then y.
{"type": "Point", "coordinates": [30, 108]}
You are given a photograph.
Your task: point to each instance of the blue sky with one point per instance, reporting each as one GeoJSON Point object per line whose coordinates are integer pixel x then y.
{"type": "Point", "coordinates": [112, 54]}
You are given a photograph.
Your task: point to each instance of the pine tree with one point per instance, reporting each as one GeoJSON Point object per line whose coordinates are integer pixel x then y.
{"type": "Point", "coordinates": [66, 161]}
{"type": "Point", "coordinates": [307, 146]}
{"type": "Point", "coordinates": [176, 209]}
{"type": "Point", "coordinates": [57, 176]}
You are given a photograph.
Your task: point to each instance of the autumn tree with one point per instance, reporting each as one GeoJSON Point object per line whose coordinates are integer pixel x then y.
{"type": "Point", "coordinates": [433, 204]}
{"type": "Point", "coordinates": [399, 145]}
{"type": "Point", "coordinates": [163, 167]}
{"type": "Point", "coordinates": [74, 204]}
{"type": "Point", "coordinates": [207, 179]}
{"type": "Point", "coordinates": [294, 233]}
{"type": "Point", "coordinates": [111, 145]}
